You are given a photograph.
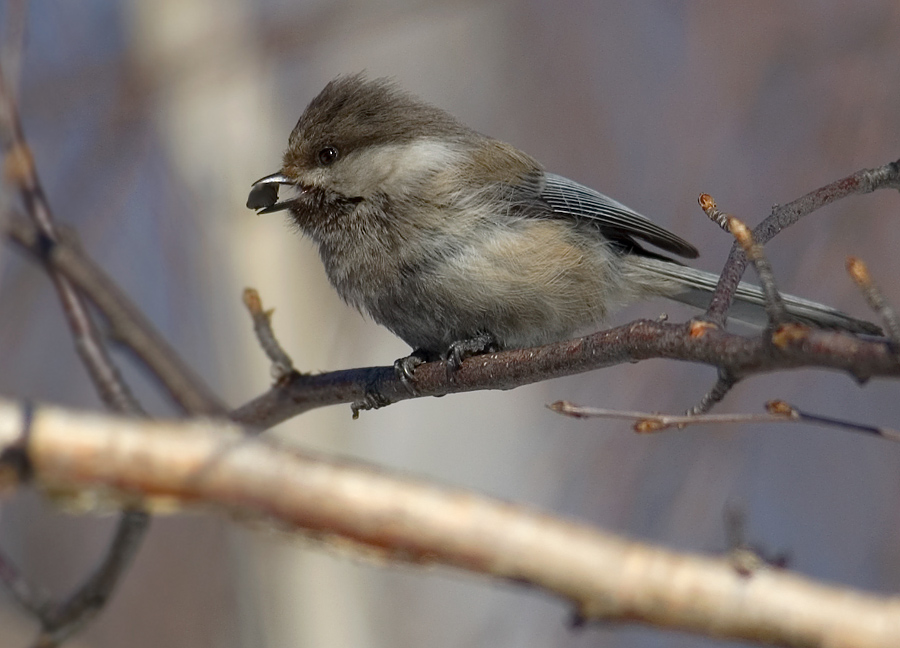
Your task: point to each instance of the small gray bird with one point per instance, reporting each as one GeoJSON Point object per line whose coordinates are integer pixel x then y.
{"type": "Point", "coordinates": [460, 243]}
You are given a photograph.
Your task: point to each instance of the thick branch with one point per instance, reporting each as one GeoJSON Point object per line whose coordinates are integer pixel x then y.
{"type": "Point", "coordinates": [604, 577]}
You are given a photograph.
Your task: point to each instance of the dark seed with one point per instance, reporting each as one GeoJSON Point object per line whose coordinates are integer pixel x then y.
{"type": "Point", "coordinates": [262, 196]}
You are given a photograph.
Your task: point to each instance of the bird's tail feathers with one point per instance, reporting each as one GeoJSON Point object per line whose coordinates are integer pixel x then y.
{"type": "Point", "coordinates": [749, 301]}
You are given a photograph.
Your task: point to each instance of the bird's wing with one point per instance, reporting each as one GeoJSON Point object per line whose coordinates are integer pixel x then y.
{"type": "Point", "coordinates": [571, 199]}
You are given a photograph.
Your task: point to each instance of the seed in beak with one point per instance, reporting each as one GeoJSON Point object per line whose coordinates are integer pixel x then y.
{"type": "Point", "coordinates": [262, 196]}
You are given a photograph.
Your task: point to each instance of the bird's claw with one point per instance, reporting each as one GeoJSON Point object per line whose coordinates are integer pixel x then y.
{"type": "Point", "coordinates": [406, 367]}
{"type": "Point", "coordinates": [457, 353]}
{"type": "Point", "coordinates": [462, 349]}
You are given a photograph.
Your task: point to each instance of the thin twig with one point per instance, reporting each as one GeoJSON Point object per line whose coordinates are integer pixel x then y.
{"type": "Point", "coordinates": [723, 385]}
{"type": "Point", "coordinates": [282, 365]}
{"type": "Point", "coordinates": [780, 408]}
{"type": "Point", "coordinates": [775, 308]}
{"type": "Point", "coordinates": [859, 272]}
{"type": "Point", "coordinates": [709, 207]}
{"type": "Point", "coordinates": [777, 412]}
{"type": "Point", "coordinates": [648, 422]}
{"type": "Point", "coordinates": [65, 619]}
{"type": "Point", "coordinates": [21, 590]}
{"type": "Point", "coordinates": [747, 558]}
{"type": "Point", "coordinates": [861, 182]}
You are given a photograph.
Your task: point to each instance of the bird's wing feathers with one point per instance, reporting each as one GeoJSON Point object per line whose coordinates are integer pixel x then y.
{"type": "Point", "coordinates": [569, 198]}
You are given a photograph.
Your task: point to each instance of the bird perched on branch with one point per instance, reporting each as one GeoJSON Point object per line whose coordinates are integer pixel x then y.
{"type": "Point", "coordinates": [460, 243]}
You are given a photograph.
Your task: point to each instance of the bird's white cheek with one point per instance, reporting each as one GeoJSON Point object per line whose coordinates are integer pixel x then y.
{"type": "Point", "coordinates": [393, 169]}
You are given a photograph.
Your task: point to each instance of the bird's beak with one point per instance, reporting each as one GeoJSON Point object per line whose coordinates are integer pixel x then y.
{"type": "Point", "coordinates": [264, 194]}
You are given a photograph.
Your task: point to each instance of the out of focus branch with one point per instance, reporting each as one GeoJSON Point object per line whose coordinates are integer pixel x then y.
{"type": "Point", "coordinates": [59, 621]}
{"type": "Point", "coordinates": [138, 461]}
{"type": "Point", "coordinates": [605, 578]}
{"type": "Point", "coordinates": [20, 172]}
{"type": "Point", "coordinates": [127, 324]}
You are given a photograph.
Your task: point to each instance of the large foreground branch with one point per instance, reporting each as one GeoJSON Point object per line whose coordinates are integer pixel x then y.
{"type": "Point", "coordinates": [604, 577]}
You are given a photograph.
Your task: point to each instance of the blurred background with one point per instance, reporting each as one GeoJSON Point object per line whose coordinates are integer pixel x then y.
{"type": "Point", "coordinates": [149, 121]}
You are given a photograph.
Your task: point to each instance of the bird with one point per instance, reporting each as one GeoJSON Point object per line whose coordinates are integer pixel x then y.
{"type": "Point", "coordinates": [461, 244]}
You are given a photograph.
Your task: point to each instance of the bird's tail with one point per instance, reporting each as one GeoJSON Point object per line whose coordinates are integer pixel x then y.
{"type": "Point", "coordinates": [749, 302]}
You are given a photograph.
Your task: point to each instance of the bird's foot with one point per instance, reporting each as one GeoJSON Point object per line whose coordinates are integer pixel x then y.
{"type": "Point", "coordinates": [462, 349]}
{"type": "Point", "coordinates": [406, 367]}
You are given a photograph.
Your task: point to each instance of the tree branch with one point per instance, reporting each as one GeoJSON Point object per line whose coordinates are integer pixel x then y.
{"type": "Point", "coordinates": [791, 346]}
{"type": "Point", "coordinates": [20, 170]}
{"type": "Point", "coordinates": [859, 272]}
{"type": "Point", "coordinates": [282, 365]}
{"type": "Point", "coordinates": [777, 412]}
{"type": "Point", "coordinates": [60, 620]}
{"type": "Point", "coordinates": [111, 387]}
{"type": "Point", "coordinates": [127, 324]}
{"type": "Point", "coordinates": [603, 577]}
{"type": "Point", "coordinates": [782, 216]}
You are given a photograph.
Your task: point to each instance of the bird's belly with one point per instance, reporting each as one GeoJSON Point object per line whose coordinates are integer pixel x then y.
{"type": "Point", "coordinates": [530, 285]}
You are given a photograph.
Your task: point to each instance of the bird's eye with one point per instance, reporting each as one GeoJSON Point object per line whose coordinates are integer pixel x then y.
{"type": "Point", "coordinates": [328, 155]}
